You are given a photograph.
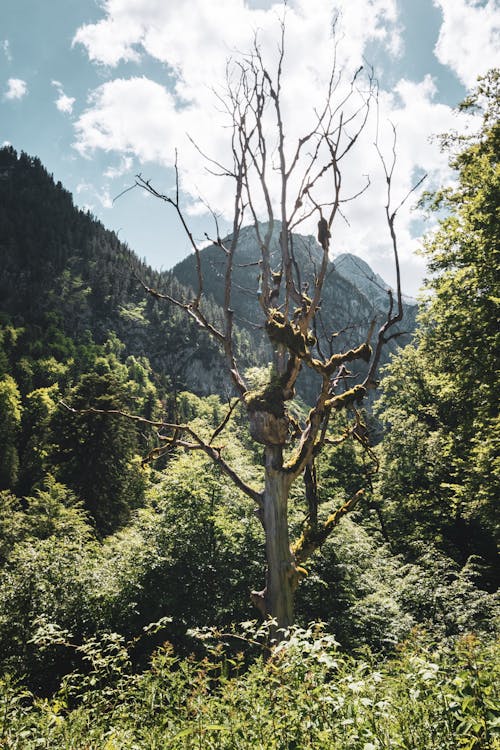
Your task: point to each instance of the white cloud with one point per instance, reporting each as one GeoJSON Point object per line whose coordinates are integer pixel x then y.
{"type": "Point", "coordinates": [88, 190]}
{"type": "Point", "coordinates": [83, 187]}
{"type": "Point", "coordinates": [5, 46]}
{"type": "Point", "coordinates": [469, 39]}
{"type": "Point", "coordinates": [194, 41]}
{"type": "Point", "coordinates": [105, 199]}
{"type": "Point", "coordinates": [412, 109]}
{"type": "Point", "coordinates": [129, 116]}
{"type": "Point", "coordinates": [124, 167]}
{"type": "Point", "coordinates": [16, 89]}
{"type": "Point", "coordinates": [64, 103]}
{"type": "Point", "coordinates": [195, 38]}
{"type": "Point", "coordinates": [138, 117]}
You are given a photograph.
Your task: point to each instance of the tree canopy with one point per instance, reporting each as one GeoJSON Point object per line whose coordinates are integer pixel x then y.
{"type": "Point", "coordinates": [441, 393]}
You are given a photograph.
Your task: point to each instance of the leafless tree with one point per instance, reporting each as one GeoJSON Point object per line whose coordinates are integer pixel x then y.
{"type": "Point", "coordinates": [289, 306]}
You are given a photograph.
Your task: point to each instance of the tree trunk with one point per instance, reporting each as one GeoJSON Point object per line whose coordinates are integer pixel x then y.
{"type": "Point", "coordinates": [279, 591]}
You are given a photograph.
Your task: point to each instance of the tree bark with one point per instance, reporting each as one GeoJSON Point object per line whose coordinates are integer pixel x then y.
{"type": "Point", "coordinates": [279, 591]}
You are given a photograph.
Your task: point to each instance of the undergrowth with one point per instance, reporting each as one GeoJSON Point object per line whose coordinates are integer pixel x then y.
{"type": "Point", "coordinates": [303, 694]}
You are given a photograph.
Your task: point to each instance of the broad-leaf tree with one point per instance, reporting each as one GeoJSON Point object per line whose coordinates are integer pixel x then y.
{"type": "Point", "coordinates": [10, 422]}
{"type": "Point", "coordinates": [441, 396]}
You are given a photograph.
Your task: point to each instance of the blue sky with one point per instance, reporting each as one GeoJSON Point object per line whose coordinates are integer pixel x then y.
{"type": "Point", "coordinates": [103, 90]}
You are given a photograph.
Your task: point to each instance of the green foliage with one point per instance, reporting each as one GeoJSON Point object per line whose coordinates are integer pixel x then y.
{"type": "Point", "coordinates": [356, 586]}
{"type": "Point", "coordinates": [189, 406]}
{"type": "Point", "coordinates": [342, 467]}
{"type": "Point", "coordinates": [37, 439]}
{"type": "Point", "coordinates": [11, 523]}
{"type": "Point", "coordinates": [441, 465]}
{"type": "Point", "coordinates": [67, 281]}
{"type": "Point", "coordinates": [94, 453]}
{"type": "Point", "coordinates": [191, 553]}
{"type": "Point", "coordinates": [8, 339]}
{"type": "Point", "coordinates": [214, 539]}
{"type": "Point", "coordinates": [10, 422]}
{"type": "Point", "coordinates": [45, 545]}
{"type": "Point", "coordinates": [309, 694]}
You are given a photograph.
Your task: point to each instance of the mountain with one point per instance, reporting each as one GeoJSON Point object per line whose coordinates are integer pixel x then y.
{"type": "Point", "coordinates": [373, 286]}
{"type": "Point", "coordinates": [61, 269]}
{"type": "Point", "coordinates": [353, 294]}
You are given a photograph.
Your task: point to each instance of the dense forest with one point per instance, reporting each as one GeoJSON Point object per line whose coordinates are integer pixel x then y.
{"type": "Point", "coordinates": [125, 617]}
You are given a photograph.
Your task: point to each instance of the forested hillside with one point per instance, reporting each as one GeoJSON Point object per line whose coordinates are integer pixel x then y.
{"type": "Point", "coordinates": [125, 617]}
{"type": "Point", "coordinates": [63, 273]}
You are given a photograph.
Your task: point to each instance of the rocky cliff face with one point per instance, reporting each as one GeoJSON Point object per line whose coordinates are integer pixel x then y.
{"type": "Point", "coordinates": [353, 295]}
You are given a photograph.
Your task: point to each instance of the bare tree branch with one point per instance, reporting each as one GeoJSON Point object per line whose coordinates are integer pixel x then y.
{"type": "Point", "coordinates": [196, 443]}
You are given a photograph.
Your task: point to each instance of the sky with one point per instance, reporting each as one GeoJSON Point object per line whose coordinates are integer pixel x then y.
{"type": "Point", "coordinates": [101, 90]}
